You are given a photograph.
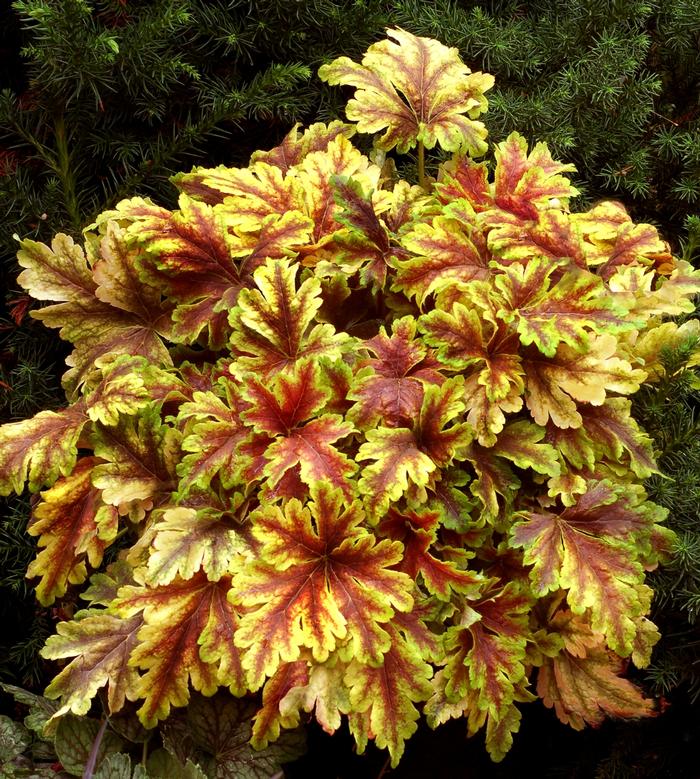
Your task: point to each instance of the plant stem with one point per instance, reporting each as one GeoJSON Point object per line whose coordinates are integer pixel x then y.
{"type": "Point", "coordinates": [384, 768]}
{"type": "Point", "coordinates": [92, 759]}
{"type": "Point", "coordinates": [421, 165]}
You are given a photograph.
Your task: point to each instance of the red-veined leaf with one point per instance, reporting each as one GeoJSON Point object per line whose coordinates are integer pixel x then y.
{"type": "Point", "coordinates": [418, 91]}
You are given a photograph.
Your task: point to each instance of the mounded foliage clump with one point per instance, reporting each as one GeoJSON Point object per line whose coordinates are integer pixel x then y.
{"type": "Point", "coordinates": [360, 444]}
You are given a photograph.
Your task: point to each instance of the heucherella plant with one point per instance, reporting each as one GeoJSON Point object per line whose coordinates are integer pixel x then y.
{"type": "Point", "coordinates": [361, 445]}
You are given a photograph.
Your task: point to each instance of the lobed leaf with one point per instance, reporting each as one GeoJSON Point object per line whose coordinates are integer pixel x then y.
{"type": "Point", "coordinates": [417, 90]}
{"type": "Point", "coordinates": [37, 451]}
{"type": "Point", "coordinates": [187, 638]}
{"type": "Point", "coordinates": [74, 527]}
{"type": "Point", "coordinates": [383, 696]}
{"type": "Point", "coordinates": [101, 645]}
{"type": "Point", "coordinates": [321, 581]}
{"type": "Point", "coordinates": [272, 324]}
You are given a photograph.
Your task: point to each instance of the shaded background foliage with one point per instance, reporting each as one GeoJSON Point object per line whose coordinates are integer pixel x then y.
{"type": "Point", "coordinates": [101, 100]}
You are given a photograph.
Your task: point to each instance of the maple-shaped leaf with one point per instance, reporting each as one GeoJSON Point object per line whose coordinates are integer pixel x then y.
{"type": "Point", "coordinates": [273, 325]}
{"type": "Point", "coordinates": [74, 528]}
{"type": "Point", "coordinates": [281, 411]}
{"type": "Point", "coordinates": [547, 314]}
{"type": "Point", "coordinates": [499, 732]}
{"type": "Point", "coordinates": [615, 432]}
{"type": "Point", "coordinates": [288, 679]}
{"type": "Point", "coordinates": [522, 443]}
{"type": "Point", "coordinates": [553, 237]}
{"type": "Point", "coordinates": [485, 656]}
{"type": "Point", "coordinates": [89, 317]}
{"type": "Point", "coordinates": [295, 147]}
{"type": "Point", "coordinates": [675, 294]}
{"type": "Point", "coordinates": [417, 90]}
{"type": "Point", "coordinates": [646, 294]}
{"type": "Point", "coordinates": [602, 221]}
{"type": "Point", "coordinates": [588, 550]}
{"type": "Point", "coordinates": [316, 178]}
{"type": "Point", "coordinates": [452, 502]}
{"type": "Point", "coordinates": [554, 385]}
{"type": "Point", "coordinates": [187, 540]}
{"type": "Point", "coordinates": [470, 339]}
{"type": "Point", "coordinates": [140, 455]}
{"type": "Point", "coordinates": [574, 444]}
{"type": "Point", "coordinates": [389, 388]}
{"type": "Point", "coordinates": [320, 581]}
{"type": "Point", "coordinates": [494, 477]}
{"type": "Point", "coordinates": [584, 690]}
{"type": "Point", "coordinates": [250, 194]}
{"type": "Point", "coordinates": [119, 283]}
{"type": "Point", "coordinates": [127, 212]}
{"type": "Point", "coordinates": [364, 244]}
{"type": "Point", "coordinates": [523, 182]}
{"type": "Point", "coordinates": [402, 455]}
{"type": "Point", "coordinates": [202, 262]}
{"type": "Point", "coordinates": [417, 531]}
{"type": "Point", "coordinates": [101, 645]}
{"type": "Point", "coordinates": [37, 451]}
{"type": "Point", "coordinates": [446, 253]}
{"type": "Point", "coordinates": [383, 697]}
{"type": "Point", "coordinates": [105, 585]}
{"type": "Point", "coordinates": [213, 436]}
{"type": "Point", "coordinates": [127, 385]}
{"type": "Point", "coordinates": [187, 638]}
{"type": "Point", "coordinates": [523, 185]}
{"type": "Point", "coordinates": [637, 244]}
{"type": "Point", "coordinates": [322, 690]}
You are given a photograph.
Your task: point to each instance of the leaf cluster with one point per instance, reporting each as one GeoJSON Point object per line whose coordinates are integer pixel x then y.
{"type": "Point", "coordinates": [363, 445]}
{"type": "Point", "coordinates": [209, 739]}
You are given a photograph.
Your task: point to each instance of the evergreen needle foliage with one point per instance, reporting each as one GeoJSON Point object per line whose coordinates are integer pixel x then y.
{"type": "Point", "coordinates": [612, 86]}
